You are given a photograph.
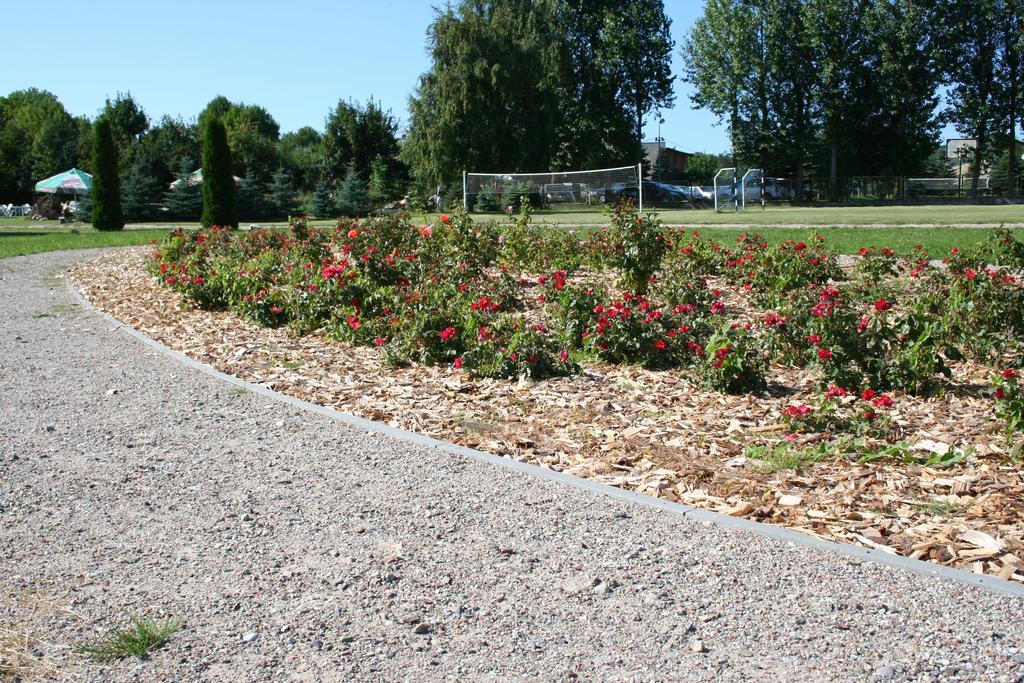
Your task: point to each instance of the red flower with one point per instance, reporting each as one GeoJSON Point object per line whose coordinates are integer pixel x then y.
{"type": "Point", "coordinates": [564, 355]}
{"type": "Point", "coordinates": [717, 307]}
{"type": "Point", "coordinates": [824, 354]}
{"type": "Point", "coordinates": [353, 233]}
{"type": "Point", "coordinates": [799, 410]}
{"type": "Point", "coordinates": [882, 305]}
{"type": "Point", "coordinates": [659, 344]}
{"type": "Point", "coordinates": [883, 402]}
{"type": "Point", "coordinates": [722, 353]}
{"type": "Point", "coordinates": [867, 395]}
{"type": "Point", "coordinates": [1007, 374]}
{"type": "Point", "coordinates": [814, 339]}
{"type": "Point", "coordinates": [425, 231]}
{"type": "Point", "coordinates": [353, 322]}
{"type": "Point", "coordinates": [380, 341]}
{"type": "Point", "coordinates": [834, 392]}
{"type": "Point", "coordinates": [447, 333]}
{"type": "Point", "coordinates": [446, 219]}
{"type": "Point", "coordinates": [458, 363]}
{"type": "Point", "coordinates": [1000, 394]}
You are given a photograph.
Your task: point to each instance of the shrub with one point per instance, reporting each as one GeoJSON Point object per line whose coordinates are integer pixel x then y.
{"type": "Point", "coordinates": [106, 181]}
{"type": "Point", "coordinates": [638, 245]}
{"type": "Point", "coordinates": [218, 177]}
{"type": "Point", "coordinates": [733, 362]}
{"type": "Point", "coordinates": [838, 412]}
{"type": "Point", "coordinates": [1009, 398]}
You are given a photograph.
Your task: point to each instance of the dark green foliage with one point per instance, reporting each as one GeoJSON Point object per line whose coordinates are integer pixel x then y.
{"type": "Point", "coordinates": [183, 201]}
{"type": "Point", "coordinates": [358, 135]}
{"type": "Point", "coordinates": [806, 82]}
{"type": "Point", "coordinates": [352, 199]}
{"type": "Point", "coordinates": [218, 180]}
{"type": "Point", "coordinates": [323, 202]}
{"type": "Point", "coordinates": [141, 194]}
{"type": "Point", "coordinates": [106, 181]}
{"type": "Point", "coordinates": [282, 195]}
{"type": "Point", "coordinates": [38, 138]}
{"type": "Point", "coordinates": [251, 201]}
{"type": "Point", "coordinates": [302, 153]}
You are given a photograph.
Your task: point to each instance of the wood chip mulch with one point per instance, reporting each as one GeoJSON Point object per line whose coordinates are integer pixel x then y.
{"type": "Point", "coordinates": [646, 431]}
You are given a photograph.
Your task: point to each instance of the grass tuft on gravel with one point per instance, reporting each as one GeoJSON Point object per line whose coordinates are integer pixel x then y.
{"type": "Point", "coordinates": [138, 639]}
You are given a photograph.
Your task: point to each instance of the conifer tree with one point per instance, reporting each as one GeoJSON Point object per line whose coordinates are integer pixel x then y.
{"type": "Point", "coordinates": [352, 196]}
{"type": "Point", "coordinates": [323, 203]}
{"type": "Point", "coordinates": [106, 184]}
{"type": "Point", "coordinates": [218, 178]}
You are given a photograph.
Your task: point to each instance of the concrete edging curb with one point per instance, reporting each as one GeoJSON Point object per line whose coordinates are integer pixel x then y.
{"type": "Point", "coordinates": [929, 569]}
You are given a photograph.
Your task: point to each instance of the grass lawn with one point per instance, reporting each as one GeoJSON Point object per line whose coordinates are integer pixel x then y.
{"type": "Point", "coordinates": [19, 236]}
{"type": "Point", "coordinates": [21, 240]}
{"type": "Point", "coordinates": [817, 216]}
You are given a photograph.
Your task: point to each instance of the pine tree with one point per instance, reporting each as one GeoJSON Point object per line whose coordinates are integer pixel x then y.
{"type": "Point", "coordinates": [218, 179]}
{"type": "Point", "coordinates": [352, 196]}
{"type": "Point", "coordinates": [282, 195]}
{"type": "Point", "coordinates": [183, 201]}
{"type": "Point", "coordinates": [141, 193]}
{"type": "Point", "coordinates": [323, 202]}
{"type": "Point", "coordinates": [106, 184]}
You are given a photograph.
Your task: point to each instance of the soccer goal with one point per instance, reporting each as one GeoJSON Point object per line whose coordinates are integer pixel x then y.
{"type": "Point", "coordinates": [553, 190]}
{"type": "Point", "coordinates": [752, 189]}
{"type": "Point", "coordinates": [726, 195]}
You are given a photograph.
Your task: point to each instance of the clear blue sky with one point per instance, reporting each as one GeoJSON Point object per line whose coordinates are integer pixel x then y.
{"type": "Point", "coordinates": [297, 59]}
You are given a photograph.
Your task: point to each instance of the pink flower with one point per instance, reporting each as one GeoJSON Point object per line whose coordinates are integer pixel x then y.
{"type": "Point", "coordinates": [380, 341]}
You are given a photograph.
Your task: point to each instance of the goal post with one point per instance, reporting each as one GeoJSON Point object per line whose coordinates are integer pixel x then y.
{"type": "Point", "coordinates": [726, 198]}
{"type": "Point", "coordinates": [552, 190]}
{"type": "Point", "coordinates": [752, 188]}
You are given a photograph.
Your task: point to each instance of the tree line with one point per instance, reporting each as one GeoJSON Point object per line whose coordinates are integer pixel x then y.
{"type": "Point", "coordinates": [837, 88]}
{"type": "Point", "coordinates": [358, 150]}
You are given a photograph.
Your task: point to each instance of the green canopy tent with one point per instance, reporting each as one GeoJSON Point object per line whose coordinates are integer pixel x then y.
{"type": "Point", "coordinates": [73, 182]}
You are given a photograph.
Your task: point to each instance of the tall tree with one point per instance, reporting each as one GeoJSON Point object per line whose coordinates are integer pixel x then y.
{"type": "Point", "coordinates": [357, 134]}
{"type": "Point", "coordinates": [595, 130]}
{"type": "Point", "coordinates": [218, 177]}
{"type": "Point", "coordinates": [128, 123]}
{"type": "Point", "coordinates": [902, 86]}
{"type": "Point", "coordinates": [970, 71]}
{"type": "Point", "coordinates": [106, 181]}
{"type": "Point", "coordinates": [636, 50]}
{"type": "Point", "coordinates": [41, 138]}
{"type": "Point", "coordinates": [252, 137]}
{"type": "Point", "coordinates": [302, 153]}
{"type": "Point", "coordinates": [493, 96]}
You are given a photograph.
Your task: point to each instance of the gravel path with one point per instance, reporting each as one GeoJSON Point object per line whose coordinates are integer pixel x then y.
{"type": "Point", "coordinates": [295, 546]}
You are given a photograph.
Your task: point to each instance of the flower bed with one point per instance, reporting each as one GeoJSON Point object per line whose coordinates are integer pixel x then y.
{"type": "Point", "coordinates": [765, 381]}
